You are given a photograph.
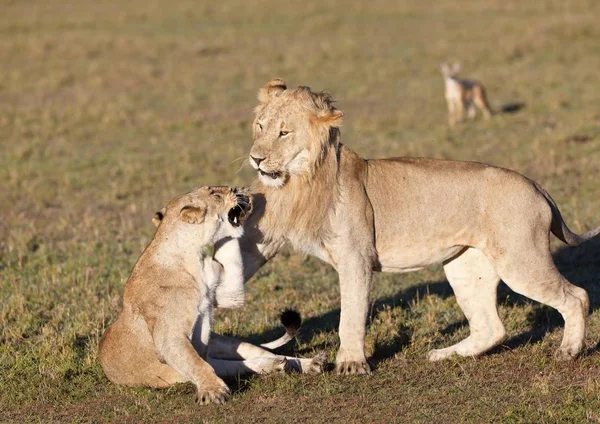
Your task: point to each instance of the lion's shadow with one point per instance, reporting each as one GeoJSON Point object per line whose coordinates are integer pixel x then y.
{"type": "Point", "coordinates": [580, 265]}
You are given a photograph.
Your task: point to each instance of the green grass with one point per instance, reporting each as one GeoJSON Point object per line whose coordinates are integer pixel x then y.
{"type": "Point", "coordinates": [108, 109]}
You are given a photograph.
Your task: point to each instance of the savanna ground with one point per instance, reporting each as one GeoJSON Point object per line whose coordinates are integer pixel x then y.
{"type": "Point", "coordinates": [107, 109]}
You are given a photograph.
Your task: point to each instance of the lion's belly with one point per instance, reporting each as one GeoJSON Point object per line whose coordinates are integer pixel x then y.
{"type": "Point", "coordinates": [414, 258]}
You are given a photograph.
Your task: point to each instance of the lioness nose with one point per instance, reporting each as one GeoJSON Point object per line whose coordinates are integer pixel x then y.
{"type": "Point", "coordinates": [257, 161]}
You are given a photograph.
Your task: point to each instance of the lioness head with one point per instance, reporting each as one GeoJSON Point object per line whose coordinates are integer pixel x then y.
{"type": "Point", "coordinates": [207, 214]}
{"type": "Point", "coordinates": [292, 131]}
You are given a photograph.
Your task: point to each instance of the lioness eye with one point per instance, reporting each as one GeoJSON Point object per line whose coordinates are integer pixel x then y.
{"type": "Point", "coordinates": [283, 133]}
{"type": "Point", "coordinates": [259, 126]}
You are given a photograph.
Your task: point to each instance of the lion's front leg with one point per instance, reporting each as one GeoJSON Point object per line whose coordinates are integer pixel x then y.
{"type": "Point", "coordinates": [355, 285]}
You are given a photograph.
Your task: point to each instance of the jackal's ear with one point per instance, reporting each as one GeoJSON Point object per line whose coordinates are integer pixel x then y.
{"type": "Point", "coordinates": [271, 89]}
{"type": "Point", "coordinates": [192, 214]}
{"type": "Point", "coordinates": [158, 217]}
{"type": "Point", "coordinates": [455, 68]}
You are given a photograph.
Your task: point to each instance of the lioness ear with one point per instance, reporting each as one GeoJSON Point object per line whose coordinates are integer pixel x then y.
{"type": "Point", "coordinates": [192, 214]}
{"type": "Point", "coordinates": [158, 217]}
{"type": "Point", "coordinates": [271, 89]}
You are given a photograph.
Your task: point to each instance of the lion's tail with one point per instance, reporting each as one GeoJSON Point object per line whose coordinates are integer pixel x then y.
{"type": "Point", "coordinates": [560, 229]}
{"type": "Point", "coordinates": [291, 320]}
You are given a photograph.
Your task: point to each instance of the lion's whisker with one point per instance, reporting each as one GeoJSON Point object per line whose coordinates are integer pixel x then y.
{"type": "Point", "coordinates": [238, 159]}
{"type": "Point", "coordinates": [244, 163]}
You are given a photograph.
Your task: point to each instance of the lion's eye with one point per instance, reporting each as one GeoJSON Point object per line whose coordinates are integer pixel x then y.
{"type": "Point", "coordinates": [259, 126]}
{"type": "Point", "coordinates": [283, 133]}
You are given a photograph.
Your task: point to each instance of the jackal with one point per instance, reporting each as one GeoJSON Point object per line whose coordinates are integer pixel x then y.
{"type": "Point", "coordinates": [463, 94]}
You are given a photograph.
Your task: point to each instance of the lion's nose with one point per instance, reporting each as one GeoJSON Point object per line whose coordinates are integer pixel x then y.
{"type": "Point", "coordinates": [256, 160]}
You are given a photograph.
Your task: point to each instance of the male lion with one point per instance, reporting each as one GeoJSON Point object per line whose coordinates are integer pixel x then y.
{"type": "Point", "coordinates": [481, 222]}
{"type": "Point", "coordinates": [161, 337]}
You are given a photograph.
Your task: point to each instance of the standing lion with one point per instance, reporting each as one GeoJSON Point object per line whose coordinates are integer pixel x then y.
{"type": "Point", "coordinates": [483, 223]}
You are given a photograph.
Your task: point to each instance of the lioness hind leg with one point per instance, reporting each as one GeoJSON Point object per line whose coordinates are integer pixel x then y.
{"type": "Point", "coordinates": [264, 365]}
{"type": "Point", "coordinates": [250, 358]}
{"type": "Point", "coordinates": [224, 347]}
{"type": "Point", "coordinates": [474, 282]}
{"type": "Point", "coordinates": [534, 275]}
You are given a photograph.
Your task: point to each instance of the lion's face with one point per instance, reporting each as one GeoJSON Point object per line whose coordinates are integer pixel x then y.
{"type": "Point", "coordinates": [207, 214]}
{"type": "Point", "coordinates": [290, 129]}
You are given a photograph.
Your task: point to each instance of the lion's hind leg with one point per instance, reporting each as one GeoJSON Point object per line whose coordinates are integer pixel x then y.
{"type": "Point", "coordinates": [474, 282]}
{"type": "Point", "coordinates": [531, 272]}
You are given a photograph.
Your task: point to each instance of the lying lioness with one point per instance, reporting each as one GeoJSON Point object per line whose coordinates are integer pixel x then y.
{"type": "Point", "coordinates": [161, 336]}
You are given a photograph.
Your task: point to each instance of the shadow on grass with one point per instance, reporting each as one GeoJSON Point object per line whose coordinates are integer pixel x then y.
{"type": "Point", "coordinates": [512, 107]}
{"type": "Point", "coordinates": [580, 265]}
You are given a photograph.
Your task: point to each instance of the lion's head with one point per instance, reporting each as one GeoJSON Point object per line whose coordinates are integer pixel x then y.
{"type": "Point", "coordinates": [292, 132]}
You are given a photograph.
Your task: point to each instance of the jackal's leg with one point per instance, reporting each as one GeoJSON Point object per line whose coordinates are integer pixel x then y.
{"type": "Point", "coordinates": [471, 111]}
{"type": "Point", "coordinates": [480, 99]}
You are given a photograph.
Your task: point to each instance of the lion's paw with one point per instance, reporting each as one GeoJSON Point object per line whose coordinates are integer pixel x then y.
{"type": "Point", "coordinates": [439, 354]}
{"type": "Point", "coordinates": [353, 367]}
{"type": "Point", "coordinates": [215, 391]}
{"type": "Point", "coordinates": [564, 354]}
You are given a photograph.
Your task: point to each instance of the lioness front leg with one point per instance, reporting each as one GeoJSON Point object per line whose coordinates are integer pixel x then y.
{"type": "Point", "coordinates": [175, 348]}
{"type": "Point", "coordinates": [355, 285]}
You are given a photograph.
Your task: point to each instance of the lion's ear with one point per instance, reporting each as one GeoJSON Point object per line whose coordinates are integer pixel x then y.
{"type": "Point", "coordinates": [192, 214]}
{"type": "Point", "coordinates": [158, 217]}
{"type": "Point", "coordinates": [271, 89]}
{"type": "Point", "coordinates": [326, 112]}
{"type": "Point", "coordinates": [331, 117]}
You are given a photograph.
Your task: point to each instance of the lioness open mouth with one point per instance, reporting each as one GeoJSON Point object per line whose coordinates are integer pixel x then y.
{"type": "Point", "coordinates": [239, 212]}
{"type": "Point", "coordinates": [273, 175]}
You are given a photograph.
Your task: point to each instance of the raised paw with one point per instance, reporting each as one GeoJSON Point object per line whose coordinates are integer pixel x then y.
{"type": "Point", "coordinates": [353, 367]}
{"type": "Point", "coordinates": [215, 391]}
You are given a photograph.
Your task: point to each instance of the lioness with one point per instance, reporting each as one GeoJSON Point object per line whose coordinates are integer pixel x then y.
{"type": "Point", "coordinates": [463, 94]}
{"type": "Point", "coordinates": [162, 334]}
{"type": "Point", "coordinates": [481, 222]}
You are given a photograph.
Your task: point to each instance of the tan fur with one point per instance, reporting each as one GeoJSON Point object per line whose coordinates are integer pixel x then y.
{"type": "Point", "coordinates": [398, 215]}
{"type": "Point", "coordinates": [162, 335]}
{"type": "Point", "coordinates": [463, 95]}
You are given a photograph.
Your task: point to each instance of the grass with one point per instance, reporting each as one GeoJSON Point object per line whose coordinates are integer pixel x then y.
{"type": "Point", "coordinates": [109, 109]}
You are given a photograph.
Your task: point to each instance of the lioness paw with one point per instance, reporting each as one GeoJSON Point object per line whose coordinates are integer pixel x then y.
{"type": "Point", "coordinates": [353, 367]}
{"type": "Point", "coordinates": [214, 392]}
{"type": "Point", "coordinates": [317, 365]}
{"type": "Point", "coordinates": [281, 364]}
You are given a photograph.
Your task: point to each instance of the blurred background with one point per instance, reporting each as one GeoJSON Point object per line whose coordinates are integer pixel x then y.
{"type": "Point", "coordinates": [108, 109]}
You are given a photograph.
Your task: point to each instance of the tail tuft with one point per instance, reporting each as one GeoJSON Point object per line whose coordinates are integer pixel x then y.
{"type": "Point", "coordinates": [291, 320]}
